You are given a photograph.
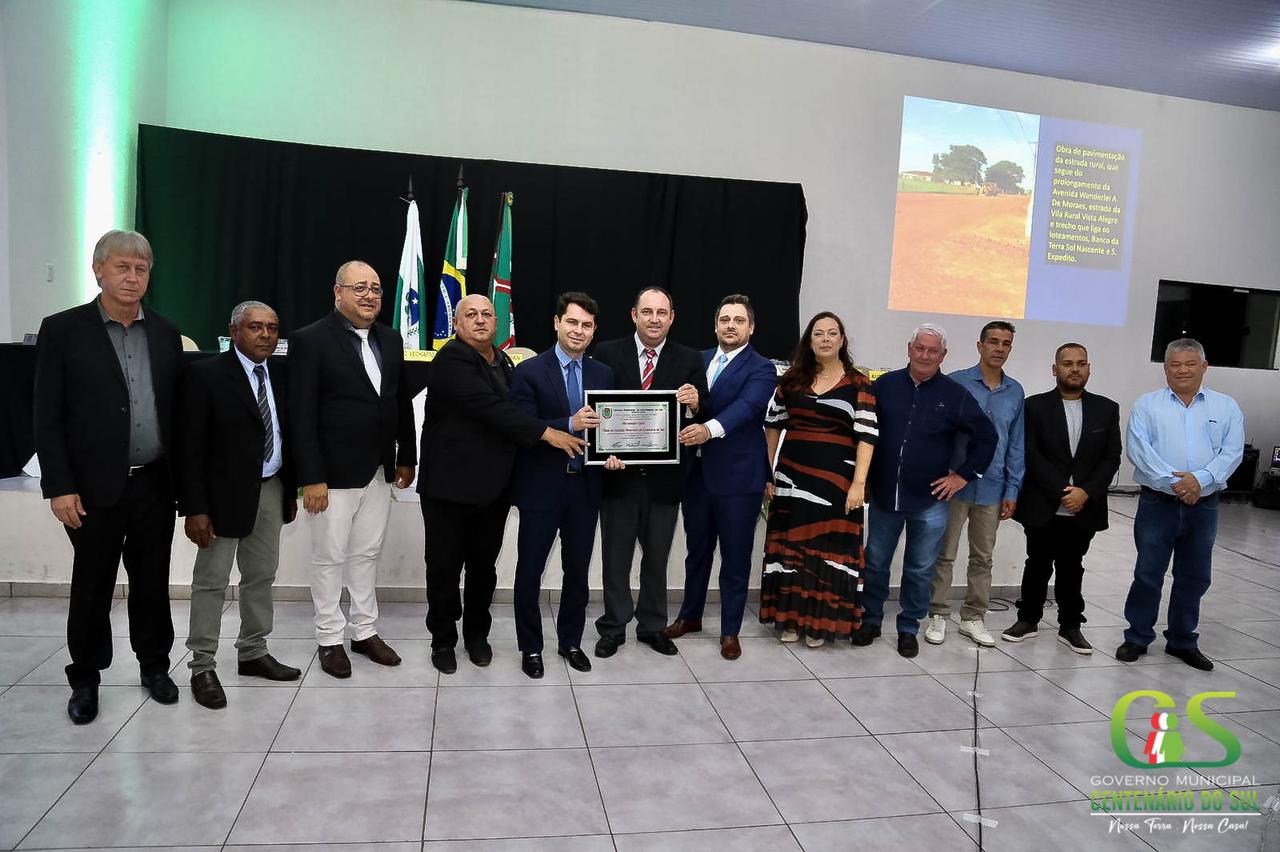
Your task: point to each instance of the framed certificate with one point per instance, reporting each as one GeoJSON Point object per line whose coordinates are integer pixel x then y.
{"type": "Point", "coordinates": [637, 426]}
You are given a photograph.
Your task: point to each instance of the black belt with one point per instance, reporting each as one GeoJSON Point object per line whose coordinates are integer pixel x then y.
{"type": "Point", "coordinates": [138, 469]}
{"type": "Point", "coordinates": [1170, 498]}
{"type": "Point", "coordinates": [267, 479]}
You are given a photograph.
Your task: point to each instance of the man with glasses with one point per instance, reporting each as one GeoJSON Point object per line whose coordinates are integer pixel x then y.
{"type": "Point", "coordinates": [353, 433]}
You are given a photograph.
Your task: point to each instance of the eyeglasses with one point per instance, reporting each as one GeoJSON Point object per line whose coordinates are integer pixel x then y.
{"type": "Point", "coordinates": [363, 289]}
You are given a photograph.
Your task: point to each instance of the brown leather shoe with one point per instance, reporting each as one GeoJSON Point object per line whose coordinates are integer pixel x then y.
{"type": "Point", "coordinates": [334, 661]}
{"type": "Point", "coordinates": [377, 651]}
{"type": "Point", "coordinates": [207, 691]}
{"type": "Point", "coordinates": [729, 647]}
{"type": "Point", "coordinates": [681, 626]}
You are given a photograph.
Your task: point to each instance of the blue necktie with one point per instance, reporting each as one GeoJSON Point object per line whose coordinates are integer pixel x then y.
{"type": "Point", "coordinates": [574, 389]}
{"type": "Point", "coordinates": [724, 359]}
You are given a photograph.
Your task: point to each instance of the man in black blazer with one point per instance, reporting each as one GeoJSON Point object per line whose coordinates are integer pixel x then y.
{"type": "Point", "coordinates": [470, 432]}
{"type": "Point", "coordinates": [557, 496]}
{"type": "Point", "coordinates": [1072, 452]}
{"type": "Point", "coordinates": [236, 489]}
{"type": "Point", "coordinates": [641, 503]}
{"type": "Point", "coordinates": [106, 373]}
{"type": "Point", "coordinates": [352, 428]}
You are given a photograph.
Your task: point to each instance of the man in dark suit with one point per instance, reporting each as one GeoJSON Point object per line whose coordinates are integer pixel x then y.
{"type": "Point", "coordinates": [641, 503]}
{"type": "Point", "coordinates": [236, 490]}
{"type": "Point", "coordinates": [106, 374]}
{"type": "Point", "coordinates": [470, 432]}
{"type": "Point", "coordinates": [555, 495]}
{"type": "Point", "coordinates": [352, 427]}
{"type": "Point", "coordinates": [727, 476]}
{"type": "Point", "coordinates": [1072, 452]}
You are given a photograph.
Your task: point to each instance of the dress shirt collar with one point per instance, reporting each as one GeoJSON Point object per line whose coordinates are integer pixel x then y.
{"type": "Point", "coordinates": [248, 364]}
{"type": "Point", "coordinates": [106, 318]}
{"type": "Point", "coordinates": [640, 347]}
{"type": "Point", "coordinates": [974, 374]}
{"type": "Point", "coordinates": [731, 355]}
{"type": "Point", "coordinates": [1199, 397]}
{"type": "Point", "coordinates": [564, 359]}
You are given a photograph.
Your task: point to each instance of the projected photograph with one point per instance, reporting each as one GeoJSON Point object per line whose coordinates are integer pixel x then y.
{"type": "Point", "coordinates": [1011, 214]}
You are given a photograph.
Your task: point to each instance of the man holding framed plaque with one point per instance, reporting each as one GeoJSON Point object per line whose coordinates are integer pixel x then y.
{"type": "Point", "coordinates": [659, 384]}
{"type": "Point", "coordinates": [728, 474]}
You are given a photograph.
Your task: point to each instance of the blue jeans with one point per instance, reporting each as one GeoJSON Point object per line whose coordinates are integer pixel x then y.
{"type": "Point", "coordinates": [1165, 527]}
{"type": "Point", "coordinates": [925, 529]}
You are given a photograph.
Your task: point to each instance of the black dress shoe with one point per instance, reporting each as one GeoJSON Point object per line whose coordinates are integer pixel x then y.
{"type": "Point", "coordinates": [376, 650]}
{"type": "Point", "coordinates": [83, 705]}
{"type": "Point", "coordinates": [865, 635]}
{"type": "Point", "coordinates": [1192, 657]}
{"type": "Point", "coordinates": [908, 646]}
{"type": "Point", "coordinates": [161, 687]}
{"type": "Point", "coordinates": [607, 646]}
{"type": "Point", "coordinates": [445, 660]}
{"type": "Point", "coordinates": [267, 667]}
{"type": "Point", "coordinates": [577, 659]}
{"type": "Point", "coordinates": [334, 661]}
{"type": "Point", "coordinates": [660, 643]}
{"type": "Point", "coordinates": [480, 652]}
{"type": "Point", "coordinates": [1129, 652]}
{"type": "Point", "coordinates": [531, 664]}
{"type": "Point", "coordinates": [207, 691]}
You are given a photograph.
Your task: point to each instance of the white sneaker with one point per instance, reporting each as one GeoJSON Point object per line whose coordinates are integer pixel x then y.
{"type": "Point", "coordinates": [977, 631]}
{"type": "Point", "coordinates": [789, 636]}
{"type": "Point", "coordinates": [935, 632]}
{"type": "Point", "coordinates": [814, 643]}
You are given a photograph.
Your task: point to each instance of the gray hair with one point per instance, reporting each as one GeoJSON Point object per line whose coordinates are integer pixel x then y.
{"type": "Point", "coordinates": [1184, 344]}
{"type": "Point", "coordinates": [123, 244]}
{"type": "Point", "coordinates": [337, 278]}
{"type": "Point", "coordinates": [237, 313]}
{"type": "Point", "coordinates": [929, 328]}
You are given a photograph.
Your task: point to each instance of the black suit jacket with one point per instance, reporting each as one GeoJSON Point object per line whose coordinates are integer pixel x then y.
{"type": "Point", "coordinates": [537, 389]}
{"type": "Point", "coordinates": [677, 365]}
{"type": "Point", "coordinates": [1050, 464]}
{"type": "Point", "coordinates": [220, 444]}
{"type": "Point", "coordinates": [470, 428]}
{"type": "Point", "coordinates": [82, 404]}
{"type": "Point", "coordinates": [342, 428]}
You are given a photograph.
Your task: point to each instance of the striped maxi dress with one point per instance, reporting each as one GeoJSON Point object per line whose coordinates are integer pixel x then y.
{"type": "Point", "coordinates": [813, 567]}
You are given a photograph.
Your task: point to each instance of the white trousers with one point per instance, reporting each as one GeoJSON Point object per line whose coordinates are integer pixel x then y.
{"type": "Point", "coordinates": [346, 540]}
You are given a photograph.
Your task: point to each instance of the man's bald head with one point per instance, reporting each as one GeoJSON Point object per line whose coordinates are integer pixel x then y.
{"type": "Point", "coordinates": [475, 324]}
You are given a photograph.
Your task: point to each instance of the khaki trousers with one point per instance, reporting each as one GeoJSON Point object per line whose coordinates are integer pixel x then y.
{"type": "Point", "coordinates": [982, 521]}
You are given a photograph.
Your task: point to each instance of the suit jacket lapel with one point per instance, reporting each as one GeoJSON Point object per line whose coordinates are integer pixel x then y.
{"type": "Point", "coordinates": [388, 352]}
{"type": "Point", "coordinates": [97, 334]}
{"type": "Point", "coordinates": [1061, 434]}
{"type": "Point", "coordinates": [241, 385]}
{"type": "Point", "coordinates": [337, 325]}
{"type": "Point", "coordinates": [556, 376]}
{"type": "Point", "coordinates": [735, 365]}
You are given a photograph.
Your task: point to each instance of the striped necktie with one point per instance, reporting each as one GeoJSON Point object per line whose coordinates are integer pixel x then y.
{"type": "Point", "coordinates": [264, 410]}
{"type": "Point", "coordinates": [647, 378]}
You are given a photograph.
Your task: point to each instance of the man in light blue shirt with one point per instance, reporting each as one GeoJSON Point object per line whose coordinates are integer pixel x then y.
{"type": "Point", "coordinates": [987, 500]}
{"type": "Point", "coordinates": [1184, 441]}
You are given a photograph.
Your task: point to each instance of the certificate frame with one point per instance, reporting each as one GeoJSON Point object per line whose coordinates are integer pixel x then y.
{"type": "Point", "coordinates": [608, 402]}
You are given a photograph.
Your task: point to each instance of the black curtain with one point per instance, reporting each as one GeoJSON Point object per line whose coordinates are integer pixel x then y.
{"type": "Point", "coordinates": [233, 219]}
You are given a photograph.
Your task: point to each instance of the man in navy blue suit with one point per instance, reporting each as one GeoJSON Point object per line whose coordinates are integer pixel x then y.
{"type": "Point", "coordinates": [726, 480]}
{"type": "Point", "coordinates": [555, 494]}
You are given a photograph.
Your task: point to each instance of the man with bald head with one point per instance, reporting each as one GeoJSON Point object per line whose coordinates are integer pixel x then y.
{"type": "Point", "coordinates": [470, 432]}
{"type": "Point", "coordinates": [353, 434]}
{"type": "Point", "coordinates": [237, 491]}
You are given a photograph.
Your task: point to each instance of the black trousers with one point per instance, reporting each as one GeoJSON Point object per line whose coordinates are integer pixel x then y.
{"type": "Point", "coordinates": [574, 520]}
{"type": "Point", "coordinates": [1056, 549]}
{"type": "Point", "coordinates": [458, 537]}
{"type": "Point", "coordinates": [625, 521]}
{"type": "Point", "coordinates": [139, 528]}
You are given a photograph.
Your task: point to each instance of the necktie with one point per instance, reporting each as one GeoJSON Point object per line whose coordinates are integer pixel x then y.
{"type": "Point", "coordinates": [370, 362]}
{"type": "Point", "coordinates": [647, 378]}
{"type": "Point", "coordinates": [720, 362]}
{"type": "Point", "coordinates": [574, 389]}
{"type": "Point", "coordinates": [264, 411]}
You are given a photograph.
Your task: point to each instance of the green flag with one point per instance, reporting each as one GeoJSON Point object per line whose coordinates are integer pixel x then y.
{"type": "Point", "coordinates": [409, 283]}
{"type": "Point", "coordinates": [500, 279]}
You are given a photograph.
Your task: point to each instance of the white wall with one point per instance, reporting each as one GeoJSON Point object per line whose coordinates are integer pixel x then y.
{"type": "Point", "coordinates": [6, 332]}
{"type": "Point", "coordinates": [53, 52]}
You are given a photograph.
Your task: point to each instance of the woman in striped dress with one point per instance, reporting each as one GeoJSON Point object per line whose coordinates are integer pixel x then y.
{"type": "Point", "coordinates": [813, 547]}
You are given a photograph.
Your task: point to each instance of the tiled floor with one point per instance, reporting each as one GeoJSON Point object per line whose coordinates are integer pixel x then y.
{"type": "Point", "coordinates": [787, 748]}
